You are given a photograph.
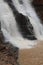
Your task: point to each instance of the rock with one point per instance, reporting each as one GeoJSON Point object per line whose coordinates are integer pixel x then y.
{"type": "Point", "coordinates": [8, 54]}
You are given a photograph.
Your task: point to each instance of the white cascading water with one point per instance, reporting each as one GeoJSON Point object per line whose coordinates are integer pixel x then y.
{"type": "Point", "coordinates": [29, 11]}
{"type": "Point", "coordinates": [9, 26]}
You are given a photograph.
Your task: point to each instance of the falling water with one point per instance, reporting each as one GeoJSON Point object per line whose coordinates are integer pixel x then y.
{"type": "Point", "coordinates": [9, 26]}
{"type": "Point", "coordinates": [27, 9]}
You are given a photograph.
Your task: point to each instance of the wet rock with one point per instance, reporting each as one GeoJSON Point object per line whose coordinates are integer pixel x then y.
{"type": "Point", "coordinates": [8, 54]}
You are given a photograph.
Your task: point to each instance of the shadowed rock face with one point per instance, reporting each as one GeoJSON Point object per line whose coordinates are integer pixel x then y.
{"type": "Point", "coordinates": [1, 35]}
{"type": "Point", "coordinates": [26, 31]}
{"type": "Point", "coordinates": [38, 2]}
{"type": "Point", "coordinates": [22, 22]}
{"type": "Point", "coordinates": [38, 5]}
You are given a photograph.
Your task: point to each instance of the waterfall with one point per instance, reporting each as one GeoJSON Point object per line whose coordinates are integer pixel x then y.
{"type": "Point", "coordinates": [10, 27]}
{"type": "Point", "coordinates": [35, 21]}
{"type": "Point", "coordinates": [27, 9]}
